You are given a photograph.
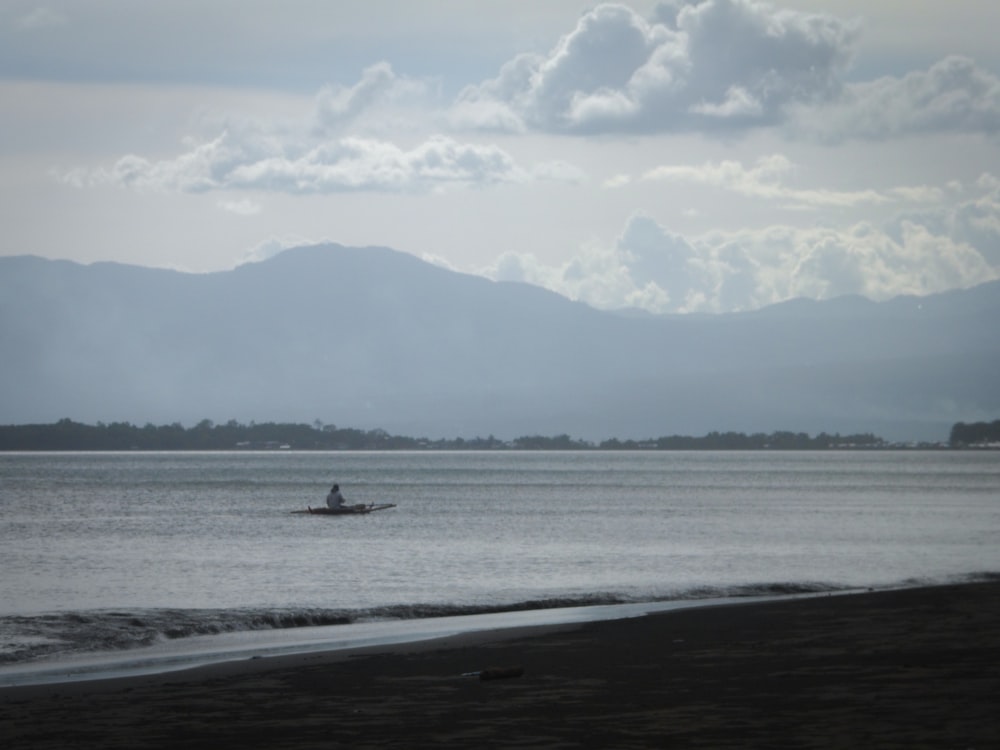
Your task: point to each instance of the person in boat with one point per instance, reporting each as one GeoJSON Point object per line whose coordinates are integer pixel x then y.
{"type": "Point", "coordinates": [335, 500]}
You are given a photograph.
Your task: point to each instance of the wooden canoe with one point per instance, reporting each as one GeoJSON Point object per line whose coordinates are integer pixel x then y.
{"type": "Point", "coordinates": [347, 510]}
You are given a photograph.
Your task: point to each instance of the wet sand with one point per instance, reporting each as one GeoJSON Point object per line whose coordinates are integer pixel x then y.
{"type": "Point", "coordinates": [908, 669]}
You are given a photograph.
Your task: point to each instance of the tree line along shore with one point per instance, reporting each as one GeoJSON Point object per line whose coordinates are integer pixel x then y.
{"type": "Point", "coordinates": [67, 435]}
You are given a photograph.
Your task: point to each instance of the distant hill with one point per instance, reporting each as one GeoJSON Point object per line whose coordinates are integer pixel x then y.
{"type": "Point", "coordinates": [371, 337]}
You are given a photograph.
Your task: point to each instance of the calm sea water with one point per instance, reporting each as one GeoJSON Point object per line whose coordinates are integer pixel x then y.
{"type": "Point", "coordinates": [124, 550]}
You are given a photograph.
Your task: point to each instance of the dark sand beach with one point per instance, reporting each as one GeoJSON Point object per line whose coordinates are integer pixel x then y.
{"type": "Point", "coordinates": [909, 669]}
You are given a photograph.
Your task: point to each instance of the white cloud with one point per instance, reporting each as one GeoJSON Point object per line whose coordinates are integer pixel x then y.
{"type": "Point", "coordinates": [338, 148]}
{"type": "Point", "coordinates": [596, 276]}
{"type": "Point", "coordinates": [714, 64]}
{"type": "Point", "coordinates": [974, 222]}
{"type": "Point", "coordinates": [337, 107]}
{"type": "Point", "coordinates": [953, 95]}
{"type": "Point", "coordinates": [723, 65]}
{"type": "Point", "coordinates": [737, 102]}
{"type": "Point", "coordinates": [362, 164]}
{"type": "Point", "coordinates": [765, 180]}
{"type": "Point", "coordinates": [234, 162]}
{"type": "Point", "coordinates": [662, 271]}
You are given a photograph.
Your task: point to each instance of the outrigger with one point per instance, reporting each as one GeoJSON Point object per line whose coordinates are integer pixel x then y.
{"type": "Point", "coordinates": [348, 510]}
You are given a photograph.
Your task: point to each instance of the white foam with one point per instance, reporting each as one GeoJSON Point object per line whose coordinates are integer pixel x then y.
{"type": "Point", "coordinates": [168, 656]}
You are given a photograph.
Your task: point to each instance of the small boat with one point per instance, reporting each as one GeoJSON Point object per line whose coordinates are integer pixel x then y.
{"type": "Point", "coordinates": [348, 510]}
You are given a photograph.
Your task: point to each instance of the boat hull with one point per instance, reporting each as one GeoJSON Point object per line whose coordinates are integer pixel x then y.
{"type": "Point", "coordinates": [347, 510]}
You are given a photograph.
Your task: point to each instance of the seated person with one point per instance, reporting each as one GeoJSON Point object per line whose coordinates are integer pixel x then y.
{"type": "Point", "coordinates": [334, 500]}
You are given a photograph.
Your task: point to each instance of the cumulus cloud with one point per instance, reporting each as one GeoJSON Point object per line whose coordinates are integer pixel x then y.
{"type": "Point", "coordinates": [953, 95]}
{"type": "Point", "coordinates": [974, 222]}
{"type": "Point", "coordinates": [978, 221]}
{"type": "Point", "coordinates": [661, 271]}
{"type": "Point", "coordinates": [723, 66]}
{"type": "Point", "coordinates": [337, 107]}
{"type": "Point", "coordinates": [713, 64]}
{"type": "Point", "coordinates": [234, 162]}
{"type": "Point", "coordinates": [325, 154]}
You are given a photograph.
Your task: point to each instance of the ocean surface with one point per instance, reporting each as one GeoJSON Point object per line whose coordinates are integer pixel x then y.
{"type": "Point", "coordinates": [146, 559]}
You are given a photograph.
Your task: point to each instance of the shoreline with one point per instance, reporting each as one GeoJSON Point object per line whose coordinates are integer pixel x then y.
{"type": "Point", "coordinates": [193, 652]}
{"type": "Point", "coordinates": [901, 667]}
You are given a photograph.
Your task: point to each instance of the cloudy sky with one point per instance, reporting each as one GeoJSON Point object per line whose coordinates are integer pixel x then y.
{"type": "Point", "coordinates": [678, 156]}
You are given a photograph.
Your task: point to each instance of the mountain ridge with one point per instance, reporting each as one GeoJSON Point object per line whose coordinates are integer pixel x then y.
{"type": "Point", "coordinates": [375, 338]}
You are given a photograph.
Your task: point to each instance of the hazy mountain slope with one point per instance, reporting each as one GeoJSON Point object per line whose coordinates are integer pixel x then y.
{"type": "Point", "coordinates": [370, 337]}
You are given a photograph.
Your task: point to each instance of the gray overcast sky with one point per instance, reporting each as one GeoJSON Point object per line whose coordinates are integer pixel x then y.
{"type": "Point", "coordinates": [676, 156]}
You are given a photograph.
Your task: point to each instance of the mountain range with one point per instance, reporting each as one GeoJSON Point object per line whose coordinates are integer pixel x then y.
{"type": "Point", "coordinates": [375, 338]}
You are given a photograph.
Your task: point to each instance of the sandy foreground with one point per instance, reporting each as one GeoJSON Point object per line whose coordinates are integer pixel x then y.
{"type": "Point", "coordinates": [908, 669]}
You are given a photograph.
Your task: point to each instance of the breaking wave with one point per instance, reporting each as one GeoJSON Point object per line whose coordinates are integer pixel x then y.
{"type": "Point", "coordinates": [26, 638]}
{"type": "Point", "coordinates": [29, 638]}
